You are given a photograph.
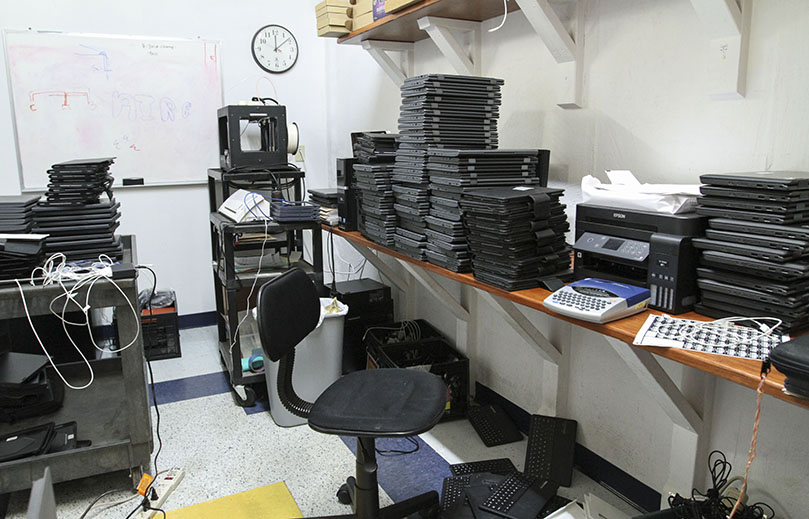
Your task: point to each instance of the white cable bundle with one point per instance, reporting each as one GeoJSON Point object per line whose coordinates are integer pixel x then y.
{"type": "Point", "coordinates": [56, 269]}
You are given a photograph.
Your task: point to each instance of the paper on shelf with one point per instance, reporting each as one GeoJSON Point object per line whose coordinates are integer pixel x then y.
{"type": "Point", "coordinates": [625, 191]}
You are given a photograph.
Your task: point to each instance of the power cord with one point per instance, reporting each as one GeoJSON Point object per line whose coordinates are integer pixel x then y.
{"type": "Point", "coordinates": [151, 372]}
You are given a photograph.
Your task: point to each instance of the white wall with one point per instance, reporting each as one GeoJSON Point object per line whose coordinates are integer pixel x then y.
{"type": "Point", "coordinates": [646, 109]}
{"type": "Point", "coordinates": [171, 223]}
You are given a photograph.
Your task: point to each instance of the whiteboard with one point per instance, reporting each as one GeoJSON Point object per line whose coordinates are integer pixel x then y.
{"type": "Point", "coordinates": [149, 102]}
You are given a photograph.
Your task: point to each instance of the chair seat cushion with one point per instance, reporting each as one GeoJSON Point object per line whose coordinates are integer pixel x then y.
{"type": "Point", "coordinates": [380, 403]}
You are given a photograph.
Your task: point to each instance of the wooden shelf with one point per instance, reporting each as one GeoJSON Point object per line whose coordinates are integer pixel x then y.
{"type": "Point", "coordinates": [403, 25]}
{"type": "Point", "coordinates": [741, 371]}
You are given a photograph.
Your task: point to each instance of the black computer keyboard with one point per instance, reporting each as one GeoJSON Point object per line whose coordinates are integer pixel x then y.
{"type": "Point", "coordinates": [551, 446]}
{"type": "Point", "coordinates": [520, 496]}
{"type": "Point", "coordinates": [493, 425]}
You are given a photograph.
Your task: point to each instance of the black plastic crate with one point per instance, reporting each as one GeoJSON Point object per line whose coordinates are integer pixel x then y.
{"type": "Point", "coordinates": [438, 357]}
{"type": "Point", "coordinates": [400, 333]}
{"type": "Point", "coordinates": [161, 334]}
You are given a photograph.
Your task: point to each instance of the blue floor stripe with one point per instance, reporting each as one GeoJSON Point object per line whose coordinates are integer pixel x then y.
{"type": "Point", "coordinates": [191, 387]}
{"type": "Point", "coordinates": [409, 475]}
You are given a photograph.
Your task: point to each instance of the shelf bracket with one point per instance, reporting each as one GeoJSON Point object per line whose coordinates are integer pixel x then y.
{"type": "Point", "coordinates": [550, 354]}
{"type": "Point", "coordinates": [440, 31]}
{"type": "Point", "coordinates": [728, 25]}
{"type": "Point", "coordinates": [380, 52]}
{"type": "Point", "coordinates": [687, 426]}
{"type": "Point", "coordinates": [567, 50]}
{"type": "Point", "coordinates": [524, 327]}
{"type": "Point", "coordinates": [435, 288]}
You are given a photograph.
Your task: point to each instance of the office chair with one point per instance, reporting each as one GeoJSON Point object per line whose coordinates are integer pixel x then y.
{"type": "Point", "coordinates": [379, 403]}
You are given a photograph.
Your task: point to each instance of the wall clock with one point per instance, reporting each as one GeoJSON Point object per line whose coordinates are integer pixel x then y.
{"type": "Point", "coordinates": [275, 49]}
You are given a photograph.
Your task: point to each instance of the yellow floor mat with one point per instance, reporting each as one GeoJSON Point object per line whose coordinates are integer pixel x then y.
{"type": "Point", "coordinates": [270, 502]}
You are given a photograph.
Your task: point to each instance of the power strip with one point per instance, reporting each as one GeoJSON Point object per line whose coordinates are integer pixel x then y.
{"type": "Point", "coordinates": [164, 488]}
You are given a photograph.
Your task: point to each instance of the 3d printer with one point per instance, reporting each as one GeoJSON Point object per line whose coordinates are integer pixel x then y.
{"type": "Point", "coordinates": [277, 139]}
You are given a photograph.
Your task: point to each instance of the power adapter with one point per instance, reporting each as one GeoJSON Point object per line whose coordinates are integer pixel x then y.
{"type": "Point", "coordinates": [123, 271]}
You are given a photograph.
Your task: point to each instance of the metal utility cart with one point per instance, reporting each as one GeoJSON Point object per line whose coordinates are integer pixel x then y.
{"type": "Point", "coordinates": [232, 287]}
{"type": "Point", "coordinates": [113, 412]}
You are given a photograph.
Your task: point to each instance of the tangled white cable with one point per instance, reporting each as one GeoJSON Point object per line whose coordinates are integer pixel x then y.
{"type": "Point", "coordinates": [56, 270]}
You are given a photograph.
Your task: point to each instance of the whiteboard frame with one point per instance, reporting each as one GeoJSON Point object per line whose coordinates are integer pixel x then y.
{"type": "Point", "coordinates": [169, 183]}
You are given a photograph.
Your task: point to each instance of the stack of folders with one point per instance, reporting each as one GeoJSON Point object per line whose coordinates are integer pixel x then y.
{"type": "Point", "coordinates": [445, 112]}
{"type": "Point", "coordinates": [516, 235]}
{"type": "Point", "coordinates": [333, 18]}
{"type": "Point", "coordinates": [375, 153]}
{"type": "Point", "coordinates": [79, 213]}
{"type": "Point", "coordinates": [16, 213]}
{"type": "Point", "coordinates": [452, 172]}
{"type": "Point", "coordinates": [20, 254]}
{"type": "Point", "coordinates": [755, 255]}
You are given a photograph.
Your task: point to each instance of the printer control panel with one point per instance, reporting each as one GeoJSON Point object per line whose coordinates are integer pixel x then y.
{"type": "Point", "coordinates": [611, 246]}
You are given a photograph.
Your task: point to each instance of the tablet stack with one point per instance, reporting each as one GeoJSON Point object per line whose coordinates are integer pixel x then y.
{"type": "Point", "coordinates": [79, 223]}
{"type": "Point", "coordinates": [755, 256]}
{"type": "Point", "coordinates": [19, 256]}
{"type": "Point", "coordinates": [438, 111]}
{"type": "Point", "coordinates": [516, 235]}
{"type": "Point", "coordinates": [454, 171]}
{"type": "Point", "coordinates": [16, 213]}
{"type": "Point", "coordinates": [374, 147]}
{"type": "Point", "coordinates": [411, 192]}
{"type": "Point", "coordinates": [375, 153]}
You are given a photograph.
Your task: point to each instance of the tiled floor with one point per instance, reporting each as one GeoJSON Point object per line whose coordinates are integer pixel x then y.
{"type": "Point", "coordinates": [225, 450]}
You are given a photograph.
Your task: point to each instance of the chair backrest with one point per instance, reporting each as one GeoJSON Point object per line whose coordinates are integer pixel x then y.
{"type": "Point", "coordinates": [288, 309]}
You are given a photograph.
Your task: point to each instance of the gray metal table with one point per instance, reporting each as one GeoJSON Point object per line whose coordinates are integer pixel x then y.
{"type": "Point", "coordinates": [113, 412]}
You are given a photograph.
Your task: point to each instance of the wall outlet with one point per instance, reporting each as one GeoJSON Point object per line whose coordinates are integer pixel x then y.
{"type": "Point", "coordinates": [164, 488]}
{"type": "Point", "coordinates": [301, 155]}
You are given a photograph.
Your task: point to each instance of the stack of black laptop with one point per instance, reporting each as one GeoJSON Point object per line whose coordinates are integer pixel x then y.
{"type": "Point", "coordinates": [516, 235]}
{"type": "Point", "coordinates": [438, 111]}
{"type": "Point", "coordinates": [411, 191]}
{"type": "Point", "coordinates": [78, 212]}
{"type": "Point", "coordinates": [375, 153]}
{"type": "Point", "coordinates": [18, 254]}
{"type": "Point", "coordinates": [16, 213]}
{"type": "Point", "coordinates": [373, 147]}
{"type": "Point", "coordinates": [452, 172]}
{"type": "Point", "coordinates": [755, 256]}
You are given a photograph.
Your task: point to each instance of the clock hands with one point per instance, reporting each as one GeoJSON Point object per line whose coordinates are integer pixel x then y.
{"type": "Point", "coordinates": [275, 36]}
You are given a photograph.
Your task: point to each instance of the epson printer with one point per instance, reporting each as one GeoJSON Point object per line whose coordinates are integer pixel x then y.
{"type": "Point", "coordinates": [647, 249]}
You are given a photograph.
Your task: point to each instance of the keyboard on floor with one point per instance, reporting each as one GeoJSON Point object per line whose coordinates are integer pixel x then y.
{"type": "Point", "coordinates": [520, 496]}
{"type": "Point", "coordinates": [551, 448]}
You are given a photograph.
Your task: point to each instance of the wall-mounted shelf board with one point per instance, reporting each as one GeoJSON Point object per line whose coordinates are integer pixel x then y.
{"type": "Point", "coordinates": [403, 25]}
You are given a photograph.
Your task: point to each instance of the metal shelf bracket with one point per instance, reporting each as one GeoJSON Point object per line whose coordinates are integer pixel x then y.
{"type": "Point", "coordinates": [728, 25]}
{"type": "Point", "coordinates": [567, 49]}
{"type": "Point", "coordinates": [380, 52]}
{"type": "Point", "coordinates": [441, 30]}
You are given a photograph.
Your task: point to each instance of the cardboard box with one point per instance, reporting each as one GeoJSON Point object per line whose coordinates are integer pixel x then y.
{"type": "Point", "coordinates": [330, 31]}
{"type": "Point", "coordinates": [332, 3]}
{"type": "Point", "coordinates": [391, 6]}
{"type": "Point", "coordinates": [334, 9]}
{"type": "Point", "coordinates": [337, 20]}
{"type": "Point", "coordinates": [362, 21]}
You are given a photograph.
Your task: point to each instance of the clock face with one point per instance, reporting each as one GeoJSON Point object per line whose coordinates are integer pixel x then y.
{"type": "Point", "coordinates": [275, 49]}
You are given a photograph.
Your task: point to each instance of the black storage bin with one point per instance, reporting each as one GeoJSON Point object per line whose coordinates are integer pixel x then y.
{"type": "Point", "coordinates": [433, 354]}
{"type": "Point", "coordinates": [161, 333]}
{"type": "Point", "coordinates": [395, 333]}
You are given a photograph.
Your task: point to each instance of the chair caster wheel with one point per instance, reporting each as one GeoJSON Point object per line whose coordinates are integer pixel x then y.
{"type": "Point", "coordinates": [343, 495]}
